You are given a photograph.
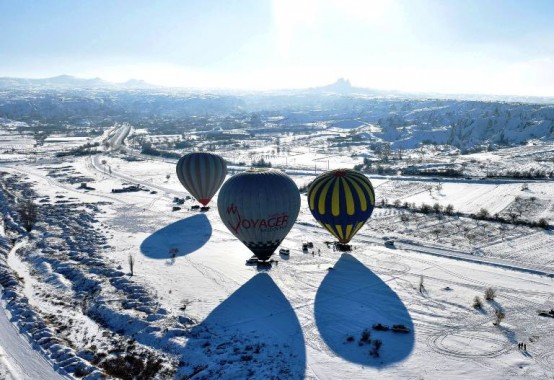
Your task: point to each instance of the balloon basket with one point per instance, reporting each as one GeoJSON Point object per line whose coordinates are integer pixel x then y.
{"type": "Point", "coordinates": [343, 247]}
{"type": "Point", "coordinates": [261, 264]}
{"type": "Point", "coordinates": [264, 264]}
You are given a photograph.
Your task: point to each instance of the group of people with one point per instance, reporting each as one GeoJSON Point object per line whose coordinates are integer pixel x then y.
{"type": "Point", "coordinates": [522, 346]}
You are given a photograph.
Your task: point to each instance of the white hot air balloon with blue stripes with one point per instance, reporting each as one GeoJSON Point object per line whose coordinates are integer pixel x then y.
{"type": "Point", "coordinates": [259, 207]}
{"type": "Point", "coordinates": [202, 174]}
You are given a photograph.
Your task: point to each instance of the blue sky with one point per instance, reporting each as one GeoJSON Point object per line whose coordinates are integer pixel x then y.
{"type": "Point", "coordinates": [450, 46]}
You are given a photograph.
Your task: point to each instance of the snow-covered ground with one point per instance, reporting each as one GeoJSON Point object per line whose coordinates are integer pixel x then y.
{"type": "Point", "coordinates": [18, 359]}
{"type": "Point", "coordinates": [208, 315]}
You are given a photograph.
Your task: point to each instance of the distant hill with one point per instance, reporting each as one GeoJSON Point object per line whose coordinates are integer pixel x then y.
{"type": "Point", "coordinates": [371, 115]}
{"type": "Point", "coordinates": [69, 82]}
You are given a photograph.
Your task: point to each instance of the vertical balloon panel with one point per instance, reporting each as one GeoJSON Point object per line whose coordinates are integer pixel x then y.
{"type": "Point", "coordinates": [259, 207]}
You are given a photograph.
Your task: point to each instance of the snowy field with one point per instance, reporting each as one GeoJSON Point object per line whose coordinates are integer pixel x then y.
{"type": "Point", "coordinates": [204, 314]}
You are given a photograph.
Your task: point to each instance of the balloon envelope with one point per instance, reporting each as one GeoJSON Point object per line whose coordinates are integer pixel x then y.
{"type": "Point", "coordinates": [202, 174]}
{"type": "Point", "coordinates": [259, 207]}
{"type": "Point", "coordinates": [341, 201]}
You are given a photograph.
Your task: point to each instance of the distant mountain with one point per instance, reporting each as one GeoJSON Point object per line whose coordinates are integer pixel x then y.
{"type": "Point", "coordinates": [69, 82]}
{"type": "Point", "coordinates": [343, 87]}
{"type": "Point", "coordinates": [138, 84]}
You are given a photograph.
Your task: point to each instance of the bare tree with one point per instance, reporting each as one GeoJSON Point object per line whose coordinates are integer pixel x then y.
{"type": "Point", "coordinates": [430, 189]}
{"type": "Point", "coordinates": [28, 213]}
{"type": "Point", "coordinates": [421, 285]}
{"type": "Point", "coordinates": [131, 264]}
{"type": "Point", "coordinates": [185, 302]}
{"type": "Point", "coordinates": [503, 229]}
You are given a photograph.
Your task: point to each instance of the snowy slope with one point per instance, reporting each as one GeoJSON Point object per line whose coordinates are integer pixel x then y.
{"type": "Point", "coordinates": [18, 358]}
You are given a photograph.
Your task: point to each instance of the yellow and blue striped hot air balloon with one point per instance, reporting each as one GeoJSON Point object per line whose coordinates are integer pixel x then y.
{"type": "Point", "coordinates": [342, 201]}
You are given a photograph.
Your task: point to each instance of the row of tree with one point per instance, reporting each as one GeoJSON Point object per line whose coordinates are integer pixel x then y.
{"type": "Point", "coordinates": [483, 214]}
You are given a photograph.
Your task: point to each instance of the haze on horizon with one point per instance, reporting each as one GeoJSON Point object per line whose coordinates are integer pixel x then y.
{"type": "Point", "coordinates": [501, 47]}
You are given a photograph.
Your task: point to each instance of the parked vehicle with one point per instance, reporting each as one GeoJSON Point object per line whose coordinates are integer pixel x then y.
{"type": "Point", "coordinates": [252, 260]}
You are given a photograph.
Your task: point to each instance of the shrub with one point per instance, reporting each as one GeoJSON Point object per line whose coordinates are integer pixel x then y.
{"type": "Point", "coordinates": [380, 327]}
{"type": "Point", "coordinates": [425, 208]}
{"type": "Point", "coordinates": [132, 367]}
{"type": "Point", "coordinates": [366, 335]}
{"type": "Point", "coordinates": [499, 315]}
{"type": "Point", "coordinates": [477, 303]}
{"type": "Point", "coordinates": [483, 213]}
{"type": "Point", "coordinates": [543, 223]}
{"type": "Point", "coordinates": [490, 293]}
{"type": "Point", "coordinates": [376, 346]}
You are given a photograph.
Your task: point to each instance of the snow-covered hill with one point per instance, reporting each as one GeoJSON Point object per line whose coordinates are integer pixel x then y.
{"type": "Point", "coordinates": [403, 122]}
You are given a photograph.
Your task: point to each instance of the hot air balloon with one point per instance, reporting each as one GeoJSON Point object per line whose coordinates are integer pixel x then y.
{"type": "Point", "coordinates": [202, 174]}
{"type": "Point", "coordinates": [341, 201]}
{"type": "Point", "coordinates": [259, 206]}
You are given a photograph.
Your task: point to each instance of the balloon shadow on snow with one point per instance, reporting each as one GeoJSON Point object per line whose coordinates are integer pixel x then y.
{"type": "Point", "coordinates": [254, 333]}
{"type": "Point", "coordinates": [352, 298]}
{"type": "Point", "coordinates": [178, 239]}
